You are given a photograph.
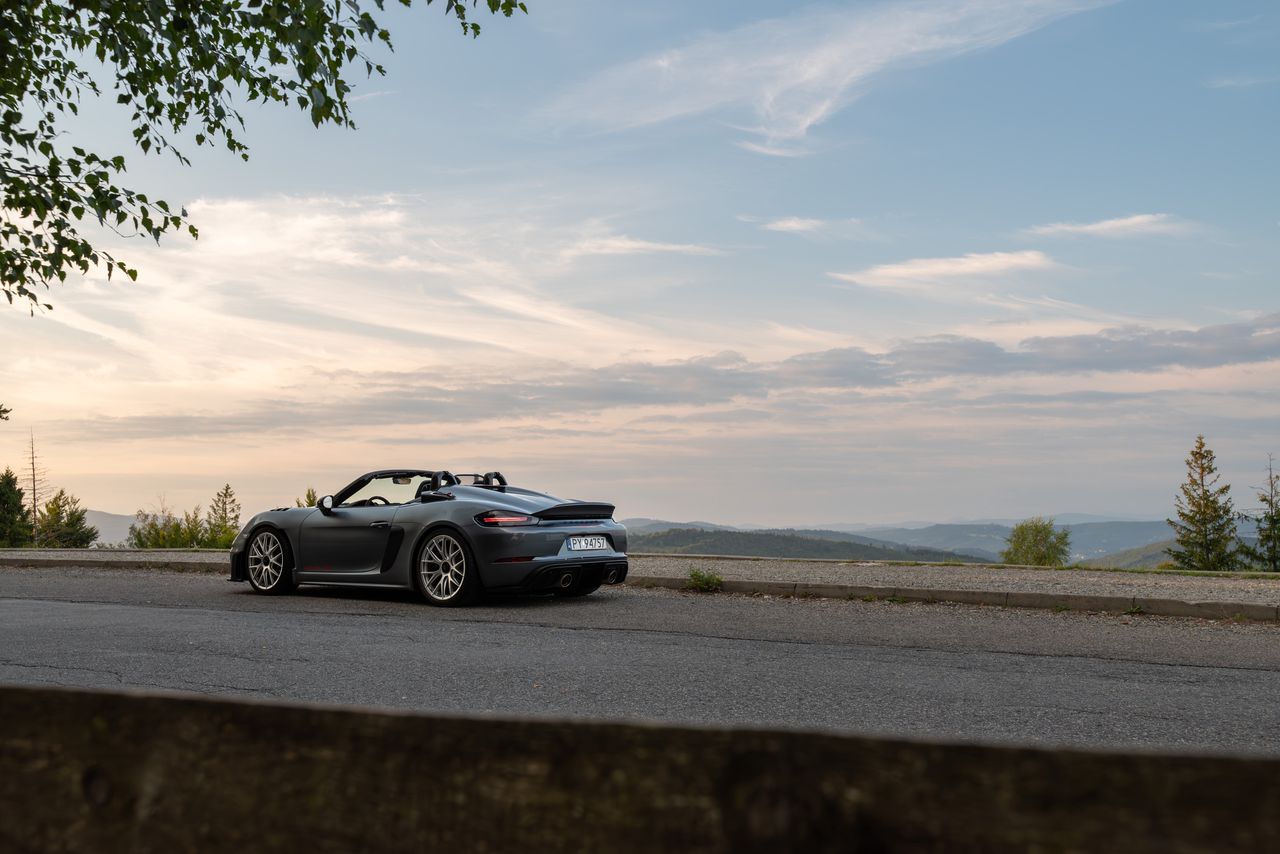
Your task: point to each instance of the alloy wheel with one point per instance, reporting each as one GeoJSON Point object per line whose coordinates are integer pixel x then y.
{"type": "Point", "coordinates": [443, 567]}
{"type": "Point", "coordinates": [266, 561]}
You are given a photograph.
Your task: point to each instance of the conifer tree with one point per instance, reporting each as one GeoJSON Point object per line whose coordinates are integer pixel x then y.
{"type": "Point", "coordinates": [1206, 526]}
{"type": "Point", "coordinates": [15, 518]}
{"type": "Point", "coordinates": [222, 522]}
{"type": "Point", "coordinates": [62, 524]}
{"type": "Point", "coordinates": [1265, 553]}
{"type": "Point", "coordinates": [308, 500]}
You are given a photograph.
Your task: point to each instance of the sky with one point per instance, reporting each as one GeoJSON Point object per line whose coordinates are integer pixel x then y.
{"type": "Point", "coordinates": [754, 263]}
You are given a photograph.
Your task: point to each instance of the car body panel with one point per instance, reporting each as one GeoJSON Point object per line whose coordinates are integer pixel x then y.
{"type": "Point", "coordinates": [378, 544]}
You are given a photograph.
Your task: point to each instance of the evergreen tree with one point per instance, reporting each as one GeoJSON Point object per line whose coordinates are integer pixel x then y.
{"type": "Point", "coordinates": [1265, 553]}
{"type": "Point", "coordinates": [4, 413]}
{"type": "Point", "coordinates": [223, 520]}
{"type": "Point", "coordinates": [1206, 526]}
{"type": "Point", "coordinates": [62, 524]}
{"type": "Point", "coordinates": [15, 518]}
{"type": "Point", "coordinates": [308, 500]}
{"type": "Point", "coordinates": [1034, 542]}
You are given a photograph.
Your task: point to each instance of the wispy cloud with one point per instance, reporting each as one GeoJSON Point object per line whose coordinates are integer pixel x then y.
{"type": "Point", "coordinates": [1138, 225]}
{"type": "Point", "coordinates": [1241, 81]}
{"type": "Point", "coordinates": [369, 96]}
{"type": "Point", "coordinates": [811, 227]}
{"type": "Point", "coordinates": [1225, 24]}
{"type": "Point", "coordinates": [621, 244]}
{"type": "Point", "coordinates": [791, 74]}
{"type": "Point", "coordinates": [794, 224]}
{"type": "Point", "coordinates": [460, 396]}
{"type": "Point", "coordinates": [930, 274]}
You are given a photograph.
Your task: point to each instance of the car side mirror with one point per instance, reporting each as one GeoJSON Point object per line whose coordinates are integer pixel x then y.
{"type": "Point", "coordinates": [325, 504]}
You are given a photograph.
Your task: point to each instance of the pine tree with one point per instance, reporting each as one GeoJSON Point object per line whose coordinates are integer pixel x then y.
{"type": "Point", "coordinates": [1265, 553]}
{"type": "Point", "coordinates": [37, 485]}
{"type": "Point", "coordinates": [308, 500]}
{"type": "Point", "coordinates": [223, 520]}
{"type": "Point", "coordinates": [62, 524]}
{"type": "Point", "coordinates": [4, 412]}
{"type": "Point", "coordinates": [1206, 526]}
{"type": "Point", "coordinates": [15, 518]}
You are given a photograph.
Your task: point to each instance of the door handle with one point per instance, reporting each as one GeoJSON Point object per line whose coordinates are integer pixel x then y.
{"type": "Point", "coordinates": [379, 524]}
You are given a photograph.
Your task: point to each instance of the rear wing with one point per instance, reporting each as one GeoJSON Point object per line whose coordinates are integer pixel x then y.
{"type": "Point", "coordinates": [577, 510]}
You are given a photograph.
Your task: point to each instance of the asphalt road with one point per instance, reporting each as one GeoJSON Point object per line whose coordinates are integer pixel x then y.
{"type": "Point", "coordinates": [937, 671]}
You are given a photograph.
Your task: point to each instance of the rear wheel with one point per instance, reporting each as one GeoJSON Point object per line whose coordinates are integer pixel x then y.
{"type": "Point", "coordinates": [270, 563]}
{"type": "Point", "coordinates": [445, 574]}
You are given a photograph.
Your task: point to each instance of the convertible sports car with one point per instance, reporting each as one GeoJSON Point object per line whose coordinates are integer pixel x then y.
{"type": "Point", "coordinates": [427, 530]}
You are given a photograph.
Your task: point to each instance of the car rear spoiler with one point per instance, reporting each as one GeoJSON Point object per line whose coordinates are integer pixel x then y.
{"type": "Point", "coordinates": [577, 510]}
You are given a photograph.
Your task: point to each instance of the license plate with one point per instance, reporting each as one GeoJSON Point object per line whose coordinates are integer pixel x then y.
{"type": "Point", "coordinates": [587, 544]}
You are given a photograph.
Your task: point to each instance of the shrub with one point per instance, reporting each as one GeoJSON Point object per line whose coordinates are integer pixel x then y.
{"type": "Point", "coordinates": [1034, 542]}
{"type": "Point", "coordinates": [703, 581]}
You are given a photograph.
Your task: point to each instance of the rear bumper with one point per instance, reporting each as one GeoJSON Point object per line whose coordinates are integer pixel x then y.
{"type": "Point", "coordinates": [564, 574]}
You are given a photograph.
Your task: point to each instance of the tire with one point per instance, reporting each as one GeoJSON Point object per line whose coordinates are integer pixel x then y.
{"type": "Point", "coordinates": [270, 563]}
{"type": "Point", "coordinates": [444, 571]}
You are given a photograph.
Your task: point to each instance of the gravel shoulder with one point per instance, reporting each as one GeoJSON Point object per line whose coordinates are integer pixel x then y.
{"type": "Point", "coordinates": [1000, 579]}
{"type": "Point", "coordinates": [1260, 591]}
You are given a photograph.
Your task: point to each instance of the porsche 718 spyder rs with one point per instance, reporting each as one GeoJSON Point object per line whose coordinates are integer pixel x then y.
{"type": "Point", "coordinates": [429, 531]}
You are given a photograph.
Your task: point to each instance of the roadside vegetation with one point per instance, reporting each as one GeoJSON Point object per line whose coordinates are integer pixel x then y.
{"type": "Point", "coordinates": [703, 581]}
{"type": "Point", "coordinates": [58, 523]}
{"type": "Point", "coordinates": [1035, 542]}
{"type": "Point", "coordinates": [165, 529]}
{"type": "Point", "coordinates": [1206, 531]}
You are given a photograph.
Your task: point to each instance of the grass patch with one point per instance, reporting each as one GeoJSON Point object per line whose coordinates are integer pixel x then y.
{"type": "Point", "coordinates": [702, 581]}
{"type": "Point", "coordinates": [1135, 611]}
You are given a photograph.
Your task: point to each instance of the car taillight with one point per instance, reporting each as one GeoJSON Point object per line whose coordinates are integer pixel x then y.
{"type": "Point", "coordinates": [505, 519]}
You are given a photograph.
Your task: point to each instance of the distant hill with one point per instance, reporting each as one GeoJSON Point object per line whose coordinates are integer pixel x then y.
{"type": "Point", "coordinates": [1142, 557]}
{"type": "Point", "coordinates": [641, 525]}
{"type": "Point", "coordinates": [1096, 539]}
{"type": "Point", "coordinates": [982, 541]}
{"type": "Point", "coordinates": [113, 528]}
{"type": "Point", "coordinates": [1088, 540]}
{"type": "Point", "coordinates": [776, 544]}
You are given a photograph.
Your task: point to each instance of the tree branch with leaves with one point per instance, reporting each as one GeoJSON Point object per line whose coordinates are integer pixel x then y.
{"type": "Point", "coordinates": [177, 68]}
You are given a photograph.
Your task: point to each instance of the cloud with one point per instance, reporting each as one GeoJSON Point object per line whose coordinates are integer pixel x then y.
{"type": "Point", "coordinates": [620, 244]}
{"type": "Point", "coordinates": [930, 274]}
{"type": "Point", "coordinates": [459, 396]}
{"type": "Point", "coordinates": [813, 227]}
{"type": "Point", "coordinates": [1241, 81]}
{"type": "Point", "coordinates": [793, 73]}
{"type": "Point", "coordinates": [369, 96]}
{"type": "Point", "coordinates": [1138, 225]}
{"type": "Point", "coordinates": [794, 224]}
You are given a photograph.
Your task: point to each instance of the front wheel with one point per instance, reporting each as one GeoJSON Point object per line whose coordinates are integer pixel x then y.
{"type": "Point", "coordinates": [445, 574]}
{"type": "Point", "coordinates": [270, 563]}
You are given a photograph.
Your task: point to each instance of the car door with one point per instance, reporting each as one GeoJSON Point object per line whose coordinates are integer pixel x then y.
{"type": "Point", "coordinates": [348, 543]}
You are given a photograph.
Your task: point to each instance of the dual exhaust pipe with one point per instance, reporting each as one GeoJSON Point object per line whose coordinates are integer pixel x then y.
{"type": "Point", "coordinates": [610, 577]}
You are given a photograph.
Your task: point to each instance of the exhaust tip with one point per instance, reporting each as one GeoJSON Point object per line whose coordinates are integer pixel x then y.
{"type": "Point", "coordinates": [612, 577]}
{"type": "Point", "coordinates": [566, 580]}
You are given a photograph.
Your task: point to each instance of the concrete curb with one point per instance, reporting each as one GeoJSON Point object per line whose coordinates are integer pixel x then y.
{"type": "Point", "coordinates": [210, 567]}
{"type": "Point", "coordinates": [998, 598]}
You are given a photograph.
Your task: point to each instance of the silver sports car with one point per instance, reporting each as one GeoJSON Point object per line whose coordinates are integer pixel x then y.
{"type": "Point", "coordinates": [427, 530]}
